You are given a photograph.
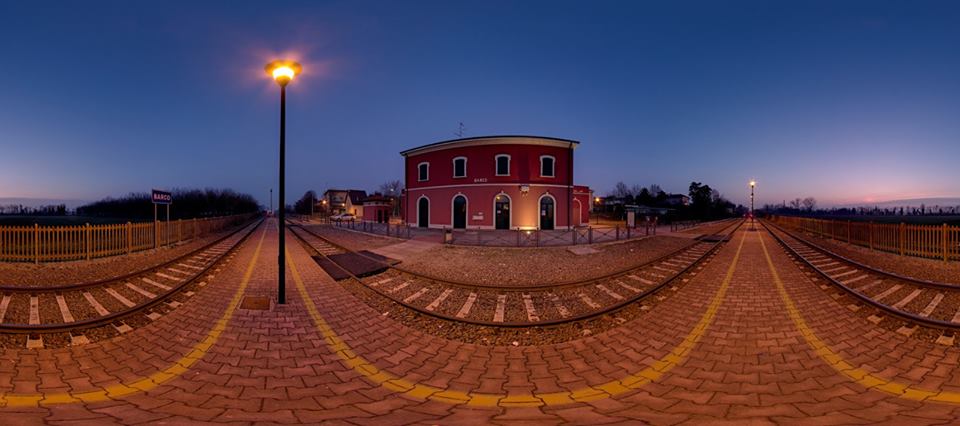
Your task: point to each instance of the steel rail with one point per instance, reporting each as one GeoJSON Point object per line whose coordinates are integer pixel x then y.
{"type": "Point", "coordinates": [77, 286]}
{"type": "Point", "coordinates": [527, 287]}
{"type": "Point", "coordinates": [114, 316]}
{"type": "Point", "coordinates": [918, 281]}
{"type": "Point", "coordinates": [909, 316]}
{"type": "Point", "coordinates": [548, 323]}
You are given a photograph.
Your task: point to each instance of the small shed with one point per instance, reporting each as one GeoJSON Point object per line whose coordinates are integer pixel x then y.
{"type": "Point", "coordinates": [377, 209]}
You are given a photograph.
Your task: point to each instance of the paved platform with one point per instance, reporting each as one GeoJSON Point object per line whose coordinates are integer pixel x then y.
{"type": "Point", "coordinates": [748, 340]}
{"type": "Point", "coordinates": [403, 251]}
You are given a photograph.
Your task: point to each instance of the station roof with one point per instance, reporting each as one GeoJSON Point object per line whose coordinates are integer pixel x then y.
{"type": "Point", "coordinates": [492, 140]}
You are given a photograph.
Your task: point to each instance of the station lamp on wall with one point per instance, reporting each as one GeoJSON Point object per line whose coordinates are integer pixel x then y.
{"type": "Point", "coordinates": [283, 73]}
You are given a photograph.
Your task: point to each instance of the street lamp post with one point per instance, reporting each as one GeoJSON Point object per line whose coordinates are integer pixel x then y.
{"type": "Point", "coordinates": [283, 73]}
{"type": "Point", "coordinates": [752, 185]}
{"type": "Point", "coordinates": [271, 200]}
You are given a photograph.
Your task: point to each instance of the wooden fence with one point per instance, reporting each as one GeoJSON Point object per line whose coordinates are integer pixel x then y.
{"type": "Point", "coordinates": [930, 241]}
{"type": "Point", "coordinates": [59, 243]}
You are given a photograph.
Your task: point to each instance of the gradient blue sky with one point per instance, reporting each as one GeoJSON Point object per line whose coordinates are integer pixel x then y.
{"type": "Point", "coordinates": [844, 101]}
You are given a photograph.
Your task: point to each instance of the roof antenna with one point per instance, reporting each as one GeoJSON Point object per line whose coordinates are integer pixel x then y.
{"type": "Point", "coordinates": [460, 130]}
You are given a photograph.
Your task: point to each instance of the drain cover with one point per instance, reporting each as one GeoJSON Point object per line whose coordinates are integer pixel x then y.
{"type": "Point", "coordinates": [259, 303]}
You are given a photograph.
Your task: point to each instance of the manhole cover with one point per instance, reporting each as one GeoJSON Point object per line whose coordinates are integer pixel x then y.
{"type": "Point", "coordinates": [259, 303]}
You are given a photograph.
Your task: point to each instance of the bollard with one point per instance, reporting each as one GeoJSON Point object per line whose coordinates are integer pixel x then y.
{"type": "Point", "coordinates": [590, 236]}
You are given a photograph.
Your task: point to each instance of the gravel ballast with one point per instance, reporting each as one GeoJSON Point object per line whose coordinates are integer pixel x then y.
{"type": "Point", "coordinates": [926, 269]}
{"type": "Point", "coordinates": [531, 266]}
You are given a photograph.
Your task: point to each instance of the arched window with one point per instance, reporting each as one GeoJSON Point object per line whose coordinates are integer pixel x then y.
{"type": "Point", "coordinates": [547, 163]}
{"type": "Point", "coordinates": [460, 167]}
{"type": "Point", "coordinates": [423, 171]}
{"type": "Point", "coordinates": [503, 165]}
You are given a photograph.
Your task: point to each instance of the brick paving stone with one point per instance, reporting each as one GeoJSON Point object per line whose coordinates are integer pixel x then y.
{"type": "Point", "coordinates": [750, 366]}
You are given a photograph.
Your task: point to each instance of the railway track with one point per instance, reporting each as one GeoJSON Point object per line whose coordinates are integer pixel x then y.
{"type": "Point", "coordinates": [930, 304]}
{"type": "Point", "coordinates": [530, 305]}
{"type": "Point", "coordinates": [134, 298]}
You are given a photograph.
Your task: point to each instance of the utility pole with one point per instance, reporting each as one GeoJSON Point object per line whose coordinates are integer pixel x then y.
{"type": "Point", "coordinates": [271, 200]}
{"type": "Point", "coordinates": [460, 131]}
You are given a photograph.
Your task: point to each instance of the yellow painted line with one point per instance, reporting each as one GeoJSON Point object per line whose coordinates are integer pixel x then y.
{"type": "Point", "coordinates": [856, 374]}
{"type": "Point", "coordinates": [119, 390]}
{"type": "Point", "coordinates": [591, 393]}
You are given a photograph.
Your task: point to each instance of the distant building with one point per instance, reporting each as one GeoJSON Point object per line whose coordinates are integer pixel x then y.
{"type": "Point", "coordinates": [678, 200]}
{"type": "Point", "coordinates": [377, 208]}
{"type": "Point", "coordinates": [345, 201]}
{"type": "Point", "coordinates": [494, 182]}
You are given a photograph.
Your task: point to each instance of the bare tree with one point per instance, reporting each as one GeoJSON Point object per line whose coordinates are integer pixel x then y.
{"type": "Point", "coordinates": [391, 188]}
{"type": "Point", "coordinates": [795, 203]}
{"type": "Point", "coordinates": [655, 189]}
{"type": "Point", "coordinates": [621, 190]}
{"type": "Point", "coordinates": [809, 203]}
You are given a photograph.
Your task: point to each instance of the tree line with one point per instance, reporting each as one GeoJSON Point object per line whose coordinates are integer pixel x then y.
{"type": "Point", "coordinates": [187, 204]}
{"type": "Point", "coordinates": [808, 206]}
{"type": "Point", "coordinates": [706, 203]}
{"type": "Point", "coordinates": [45, 210]}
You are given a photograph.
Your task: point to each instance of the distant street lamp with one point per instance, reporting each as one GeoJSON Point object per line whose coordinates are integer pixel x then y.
{"type": "Point", "coordinates": [283, 73]}
{"type": "Point", "coordinates": [753, 183]}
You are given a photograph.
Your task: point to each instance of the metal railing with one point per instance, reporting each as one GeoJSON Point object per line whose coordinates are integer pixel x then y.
{"type": "Point", "coordinates": [500, 237]}
{"type": "Point", "coordinates": [928, 241]}
{"type": "Point", "coordinates": [84, 242]}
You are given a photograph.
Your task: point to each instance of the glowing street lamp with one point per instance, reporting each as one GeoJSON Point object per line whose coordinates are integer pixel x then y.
{"type": "Point", "coordinates": [753, 183]}
{"type": "Point", "coordinates": [283, 73]}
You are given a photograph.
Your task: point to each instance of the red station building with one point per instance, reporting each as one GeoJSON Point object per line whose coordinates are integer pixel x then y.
{"type": "Point", "coordinates": [494, 182]}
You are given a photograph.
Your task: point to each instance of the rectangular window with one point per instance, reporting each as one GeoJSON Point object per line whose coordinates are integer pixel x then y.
{"type": "Point", "coordinates": [503, 165]}
{"type": "Point", "coordinates": [459, 167]}
{"type": "Point", "coordinates": [546, 166]}
{"type": "Point", "coordinates": [423, 171]}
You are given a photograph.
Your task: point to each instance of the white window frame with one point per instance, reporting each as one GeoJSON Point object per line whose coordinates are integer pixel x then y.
{"type": "Point", "coordinates": [496, 164]}
{"type": "Point", "coordinates": [425, 163]}
{"type": "Point", "coordinates": [455, 167]}
{"type": "Point", "coordinates": [554, 166]}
